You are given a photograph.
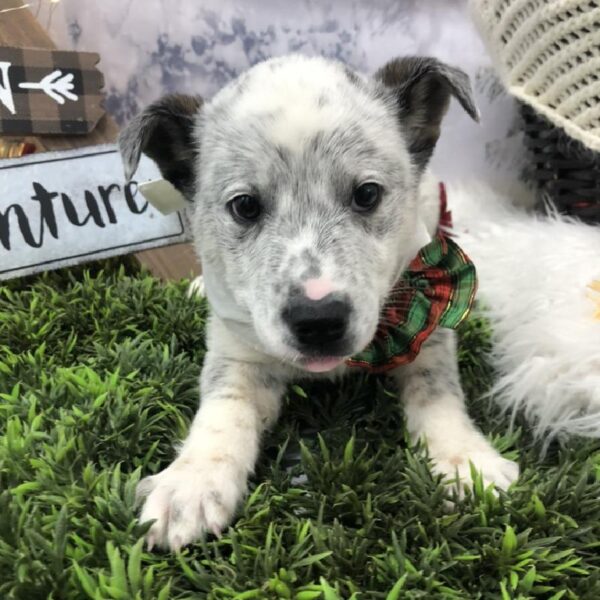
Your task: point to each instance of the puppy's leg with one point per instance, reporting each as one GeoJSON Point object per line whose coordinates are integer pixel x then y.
{"type": "Point", "coordinates": [435, 413]}
{"type": "Point", "coordinates": [201, 488]}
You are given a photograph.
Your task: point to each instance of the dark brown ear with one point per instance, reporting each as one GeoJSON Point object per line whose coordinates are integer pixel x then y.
{"type": "Point", "coordinates": [164, 132]}
{"type": "Point", "coordinates": [422, 87]}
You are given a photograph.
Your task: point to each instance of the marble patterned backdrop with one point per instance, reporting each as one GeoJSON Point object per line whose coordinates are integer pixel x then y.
{"type": "Point", "coordinates": [150, 47]}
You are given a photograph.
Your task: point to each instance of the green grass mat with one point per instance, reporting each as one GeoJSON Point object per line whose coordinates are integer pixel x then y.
{"type": "Point", "coordinates": [98, 380]}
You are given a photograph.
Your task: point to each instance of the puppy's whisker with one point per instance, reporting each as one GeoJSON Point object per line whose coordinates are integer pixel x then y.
{"type": "Point", "coordinates": [384, 314]}
{"type": "Point", "coordinates": [399, 305]}
{"type": "Point", "coordinates": [398, 302]}
{"type": "Point", "coordinates": [399, 293]}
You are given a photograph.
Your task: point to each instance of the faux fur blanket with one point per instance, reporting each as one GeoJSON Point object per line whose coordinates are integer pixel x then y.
{"type": "Point", "coordinates": [535, 275]}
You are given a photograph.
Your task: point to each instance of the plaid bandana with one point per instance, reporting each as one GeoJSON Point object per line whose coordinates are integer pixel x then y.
{"type": "Point", "coordinates": [437, 289]}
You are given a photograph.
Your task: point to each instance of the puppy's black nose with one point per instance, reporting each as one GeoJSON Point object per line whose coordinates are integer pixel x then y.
{"type": "Point", "coordinates": [318, 324]}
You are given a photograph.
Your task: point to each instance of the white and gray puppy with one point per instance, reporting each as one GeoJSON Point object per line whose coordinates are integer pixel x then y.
{"type": "Point", "coordinates": [311, 195]}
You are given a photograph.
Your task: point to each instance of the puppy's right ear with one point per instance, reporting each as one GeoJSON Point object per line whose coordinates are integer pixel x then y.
{"type": "Point", "coordinates": [422, 87]}
{"type": "Point", "coordinates": [164, 132]}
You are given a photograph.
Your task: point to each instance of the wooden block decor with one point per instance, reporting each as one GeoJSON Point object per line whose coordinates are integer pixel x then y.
{"type": "Point", "coordinates": [49, 91]}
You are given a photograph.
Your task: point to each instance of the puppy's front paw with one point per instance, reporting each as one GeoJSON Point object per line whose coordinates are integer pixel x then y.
{"type": "Point", "coordinates": [489, 462]}
{"type": "Point", "coordinates": [188, 499]}
{"type": "Point", "coordinates": [196, 287]}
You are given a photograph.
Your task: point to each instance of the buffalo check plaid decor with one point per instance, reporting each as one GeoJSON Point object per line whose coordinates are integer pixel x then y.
{"type": "Point", "coordinates": [437, 290]}
{"type": "Point", "coordinates": [49, 91]}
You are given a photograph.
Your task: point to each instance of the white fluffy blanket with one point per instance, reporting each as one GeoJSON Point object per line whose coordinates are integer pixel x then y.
{"type": "Point", "coordinates": [534, 275]}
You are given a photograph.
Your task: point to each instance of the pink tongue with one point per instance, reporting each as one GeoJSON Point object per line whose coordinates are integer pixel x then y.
{"type": "Point", "coordinates": [322, 365]}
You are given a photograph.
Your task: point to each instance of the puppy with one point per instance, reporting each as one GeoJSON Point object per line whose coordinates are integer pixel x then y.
{"type": "Point", "coordinates": [311, 195]}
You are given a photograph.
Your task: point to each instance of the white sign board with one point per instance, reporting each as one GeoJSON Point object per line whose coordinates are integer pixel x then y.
{"type": "Point", "coordinates": [63, 208]}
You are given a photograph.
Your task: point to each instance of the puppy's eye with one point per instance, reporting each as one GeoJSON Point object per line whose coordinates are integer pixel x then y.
{"type": "Point", "coordinates": [245, 208]}
{"type": "Point", "coordinates": [366, 197]}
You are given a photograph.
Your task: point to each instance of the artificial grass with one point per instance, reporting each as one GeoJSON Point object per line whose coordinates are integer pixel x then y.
{"type": "Point", "coordinates": [98, 379]}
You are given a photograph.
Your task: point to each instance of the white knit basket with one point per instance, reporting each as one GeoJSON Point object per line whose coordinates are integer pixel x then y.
{"type": "Point", "coordinates": [548, 55]}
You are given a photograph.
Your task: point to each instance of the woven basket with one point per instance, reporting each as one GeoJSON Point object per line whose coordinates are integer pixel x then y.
{"type": "Point", "coordinates": [567, 172]}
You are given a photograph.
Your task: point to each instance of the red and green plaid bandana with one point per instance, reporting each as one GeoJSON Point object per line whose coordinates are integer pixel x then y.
{"type": "Point", "coordinates": [437, 289]}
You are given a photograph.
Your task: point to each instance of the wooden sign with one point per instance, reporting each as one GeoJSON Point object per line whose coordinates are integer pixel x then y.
{"type": "Point", "coordinates": [49, 91]}
{"type": "Point", "coordinates": [64, 208]}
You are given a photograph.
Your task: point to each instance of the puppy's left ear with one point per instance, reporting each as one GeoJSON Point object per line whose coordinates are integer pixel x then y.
{"type": "Point", "coordinates": [164, 132]}
{"type": "Point", "coordinates": [422, 87]}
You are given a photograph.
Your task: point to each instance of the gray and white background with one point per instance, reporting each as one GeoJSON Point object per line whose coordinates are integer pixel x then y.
{"type": "Point", "coordinates": [150, 47]}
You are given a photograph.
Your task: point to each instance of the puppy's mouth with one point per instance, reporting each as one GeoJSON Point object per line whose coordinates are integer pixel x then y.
{"type": "Point", "coordinates": [324, 359]}
{"type": "Point", "coordinates": [321, 364]}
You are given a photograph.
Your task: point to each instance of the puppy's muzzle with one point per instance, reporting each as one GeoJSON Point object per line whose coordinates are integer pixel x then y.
{"type": "Point", "coordinates": [319, 327]}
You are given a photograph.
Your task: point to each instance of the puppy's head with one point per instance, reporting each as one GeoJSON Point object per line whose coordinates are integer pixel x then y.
{"type": "Point", "coordinates": [304, 179]}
